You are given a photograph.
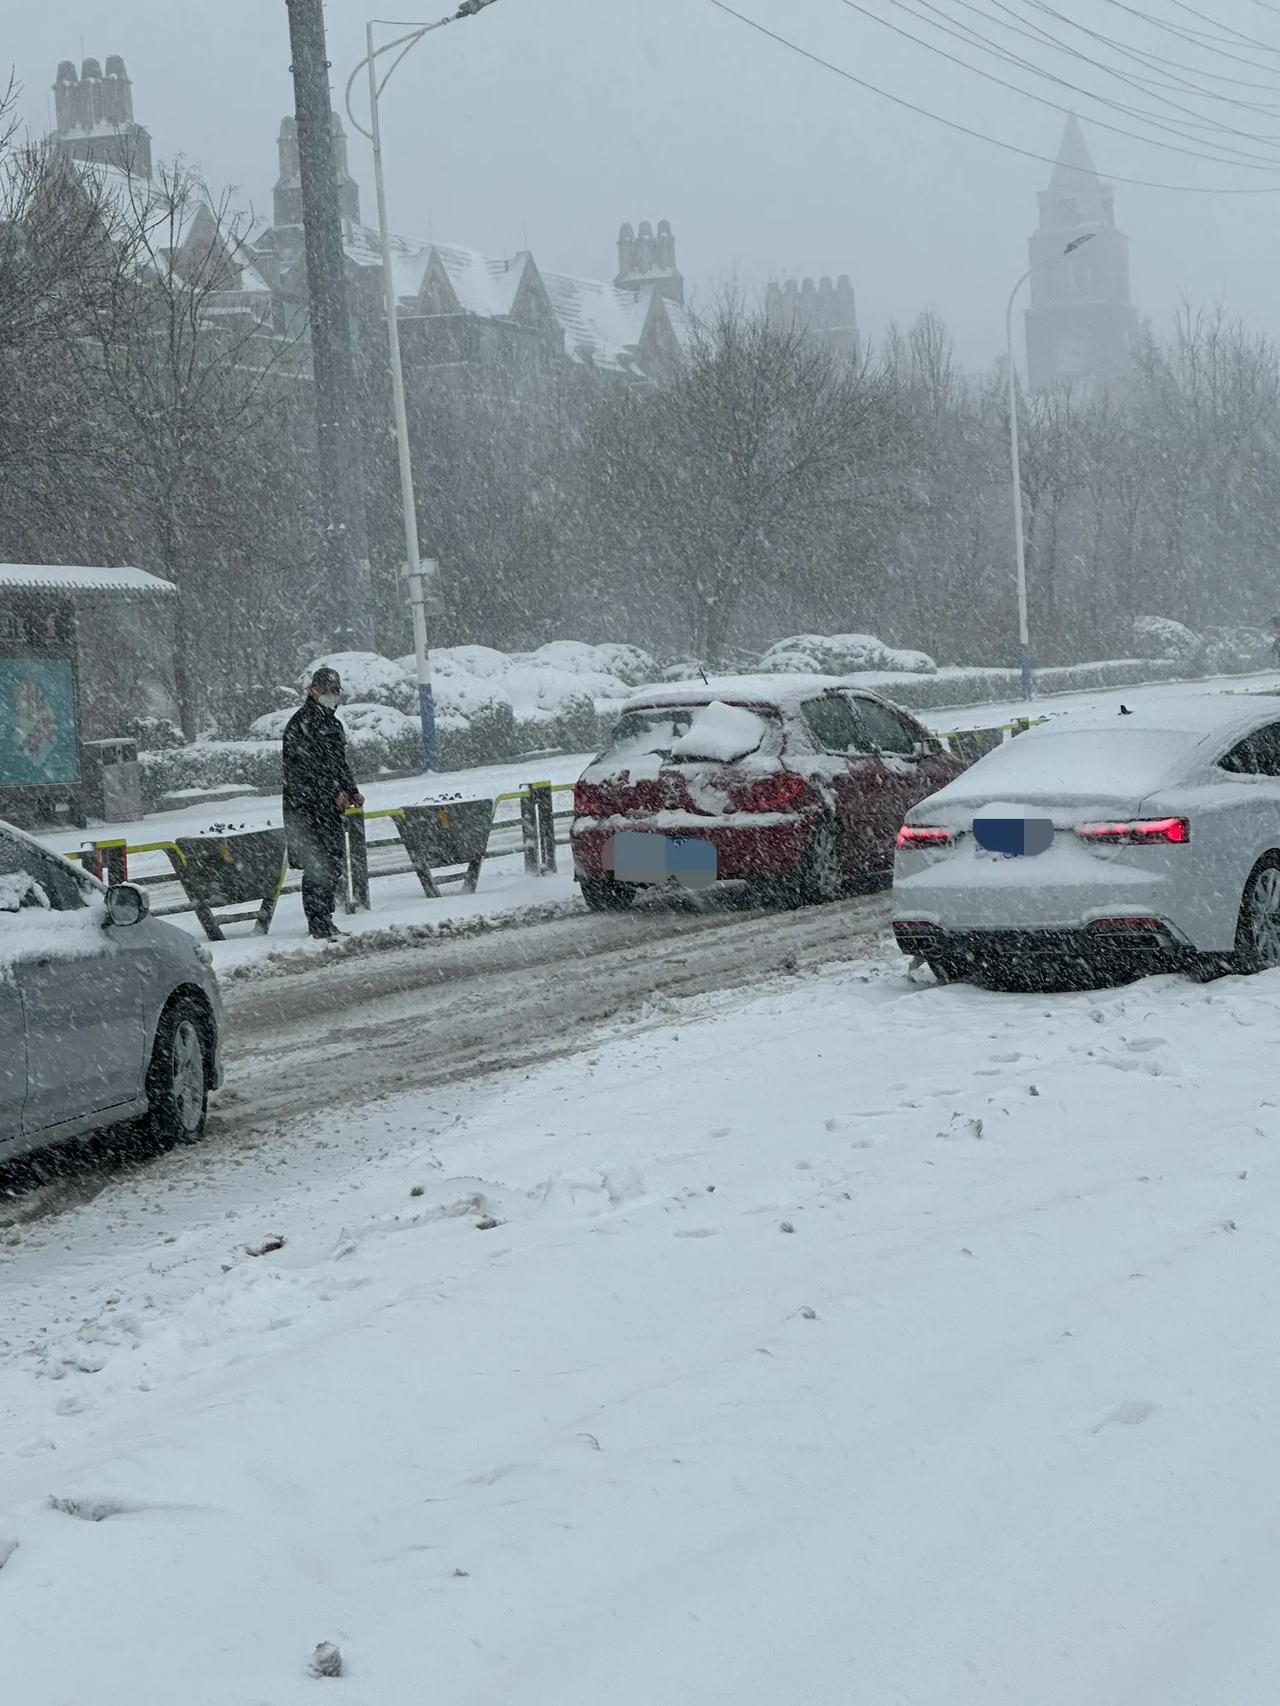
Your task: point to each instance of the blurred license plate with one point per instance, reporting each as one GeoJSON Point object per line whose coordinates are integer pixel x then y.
{"type": "Point", "coordinates": [642, 858]}
{"type": "Point", "coordinates": [1013, 837]}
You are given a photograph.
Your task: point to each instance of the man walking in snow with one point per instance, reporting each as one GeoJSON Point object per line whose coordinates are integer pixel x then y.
{"type": "Point", "coordinates": [318, 789]}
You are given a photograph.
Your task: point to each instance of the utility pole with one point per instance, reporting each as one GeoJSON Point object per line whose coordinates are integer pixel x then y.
{"type": "Point", "coordinates": [340, 464]}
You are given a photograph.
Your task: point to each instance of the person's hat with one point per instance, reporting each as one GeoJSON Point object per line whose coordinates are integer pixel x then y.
{"type": "Point", "coordinates": [327, 680]}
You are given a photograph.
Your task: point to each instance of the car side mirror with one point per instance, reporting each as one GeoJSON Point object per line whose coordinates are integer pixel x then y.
{"type": "Point", "coordinates": [126, 904]}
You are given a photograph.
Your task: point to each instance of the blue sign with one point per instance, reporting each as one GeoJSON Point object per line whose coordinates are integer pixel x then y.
{"type": "Point", "coordinates": [1014, 836]}
{"type": "Point", "coordinates": [37, 723]}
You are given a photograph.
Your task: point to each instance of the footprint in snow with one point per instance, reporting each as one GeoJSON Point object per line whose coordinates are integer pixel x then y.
{"type": "Point", "coordinates": [1130, 1414]}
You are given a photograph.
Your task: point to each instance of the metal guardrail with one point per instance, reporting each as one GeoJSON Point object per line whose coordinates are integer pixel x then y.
{"type": "Point", "coordinates": [537, 834]}
{"type": "Point", "coordinates": [538, 826]}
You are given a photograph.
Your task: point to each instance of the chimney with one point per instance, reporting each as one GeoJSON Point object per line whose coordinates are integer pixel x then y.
{"type": "Point", "coordinates": [65, 96]}
{"type": "Point", "coordinates": [95, 119]}
{"type": "Point", "coordinates": [648, 261]}
{"type": "Point", "coordinates": [117, 92]}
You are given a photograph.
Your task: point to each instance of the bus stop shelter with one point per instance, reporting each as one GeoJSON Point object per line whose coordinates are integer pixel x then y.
{"type": "Point", "coordinates": [82, 652]}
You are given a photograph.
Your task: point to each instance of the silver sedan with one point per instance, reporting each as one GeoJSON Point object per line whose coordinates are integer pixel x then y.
{"type": "Point", "coordinates": [106, 1015]}
{"type": "Point", "coordinates": [1148, 840]}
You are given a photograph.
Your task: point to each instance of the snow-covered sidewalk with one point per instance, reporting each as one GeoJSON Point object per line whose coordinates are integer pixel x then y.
{"type": "Point", "coordinates": [858, 1341]}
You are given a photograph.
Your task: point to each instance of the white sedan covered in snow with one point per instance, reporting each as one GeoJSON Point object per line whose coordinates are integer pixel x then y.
{"type": "Point", "coordinates": [1149, 839]}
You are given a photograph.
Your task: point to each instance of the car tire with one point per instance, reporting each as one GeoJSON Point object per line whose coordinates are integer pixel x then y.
{"type": "Point", "coordinates": [946, 971]}
{"type": "Point", "coordinates": [1258, 927]}
{"type": "Point", "coordinates": [823, 877]}
{"type": "Point", "coordinates": [178, 1076]}
{"type": "Point", "coordinates": [607, 894]}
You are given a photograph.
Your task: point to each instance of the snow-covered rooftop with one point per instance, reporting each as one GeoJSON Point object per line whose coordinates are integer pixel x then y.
{"type": "Point", "coordinates": [78, 579]}
{"type": "Point", "coordinates": [601, 323]}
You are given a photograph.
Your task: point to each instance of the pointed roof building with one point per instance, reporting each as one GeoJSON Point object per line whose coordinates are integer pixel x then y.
{"type": "Point", "coordinates": [1082, 322]}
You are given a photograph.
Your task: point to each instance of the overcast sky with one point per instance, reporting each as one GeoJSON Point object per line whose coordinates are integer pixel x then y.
{"type": "Point", "coordinates": [546, 123]}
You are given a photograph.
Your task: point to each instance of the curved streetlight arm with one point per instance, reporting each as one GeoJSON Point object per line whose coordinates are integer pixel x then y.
{"type": "Point", "coordinates": [407, 42]}
{"type": "Point", "coordinates": [416, 31]}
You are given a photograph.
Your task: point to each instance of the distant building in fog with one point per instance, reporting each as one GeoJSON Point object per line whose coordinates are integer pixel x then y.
{"type": "Point", "coordinates": [827, 313]}
{"type": "Point", "coordinates": [1082, 322]}
{"type": "Point", "coordinates": [94, 117]}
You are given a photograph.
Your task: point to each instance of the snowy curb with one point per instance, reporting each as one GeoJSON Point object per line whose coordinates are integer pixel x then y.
{"type": "Point", "coordinates": [290, 962]}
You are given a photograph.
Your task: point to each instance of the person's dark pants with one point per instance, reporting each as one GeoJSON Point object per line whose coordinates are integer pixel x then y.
{"type": "Point", "coordinates": [317, 848]}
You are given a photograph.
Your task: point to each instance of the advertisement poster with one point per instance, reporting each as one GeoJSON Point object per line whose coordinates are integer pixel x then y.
{"type": "Point", "coordinates": [37, 723]}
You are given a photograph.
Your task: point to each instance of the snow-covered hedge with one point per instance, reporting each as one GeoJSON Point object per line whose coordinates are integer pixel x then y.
{"type": "Point", "coordinates": [564, 697]}
{"type": "Point", "coordinates": [842, 654]}
{"type": "Point", "coordinates": [1231, 650]}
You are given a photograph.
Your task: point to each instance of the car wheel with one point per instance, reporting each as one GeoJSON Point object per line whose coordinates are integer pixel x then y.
{"type": "Point", "coordinates": [178, 1077]}
{"type": "Point", "coordinates": [823, 877]}
{"type": "Point", "coordinates": [944, 970]}
{"type": "Point", "coordinates": [606, 894]}
{"type": "Point", "coordinates": [1258, 929]}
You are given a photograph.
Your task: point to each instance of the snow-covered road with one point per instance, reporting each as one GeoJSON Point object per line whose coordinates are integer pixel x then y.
{"type": "Point", "coordinates": [849, 1339]}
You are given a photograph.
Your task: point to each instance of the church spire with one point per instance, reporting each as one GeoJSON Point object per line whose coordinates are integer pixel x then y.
{"type": "Point", "coordinates": [1074, 159]}
{"type": "Point", "coordinates": [1082, 321]}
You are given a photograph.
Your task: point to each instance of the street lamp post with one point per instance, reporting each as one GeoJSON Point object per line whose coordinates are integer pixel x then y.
{"type": "Point", "coordinates": [1015, 457]}
{"type": "Point", "coordinates": [418, 574]}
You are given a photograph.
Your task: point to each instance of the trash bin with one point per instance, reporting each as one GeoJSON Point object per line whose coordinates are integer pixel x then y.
{"type": "Point", "coordinates": [112, 780]}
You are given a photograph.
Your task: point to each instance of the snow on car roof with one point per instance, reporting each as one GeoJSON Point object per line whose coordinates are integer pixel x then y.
{"type": "Point", "coordinates": [782, 691]}
{"type": "Point", "coordinates": [1114, 754]}
{"type": "Point", "coordinates": [1195, 716]}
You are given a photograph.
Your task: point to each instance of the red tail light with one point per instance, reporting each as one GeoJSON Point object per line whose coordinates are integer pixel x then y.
{"type": "Point", "coordinates": [924, 835]}
{"type": "Point", "coordinates": [774, 794]}
{"type": "Point", "coordinates": [589, 801]}
{"type": "Point", "coordinates": [1147, 832]}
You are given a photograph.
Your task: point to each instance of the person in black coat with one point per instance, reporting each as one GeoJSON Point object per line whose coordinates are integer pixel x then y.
{"type": "Point", "coordinates": [318, 789]}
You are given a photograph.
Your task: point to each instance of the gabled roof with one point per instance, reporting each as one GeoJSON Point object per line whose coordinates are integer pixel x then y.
{"type": "Point", "coordinates": [602, 325]}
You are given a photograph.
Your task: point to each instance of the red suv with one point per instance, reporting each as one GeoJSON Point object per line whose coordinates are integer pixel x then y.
{"type": "Point", "coordinates": [797, 785]}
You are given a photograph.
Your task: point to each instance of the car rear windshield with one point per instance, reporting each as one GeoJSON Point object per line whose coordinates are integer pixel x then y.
{"type": "Point", "coordinates": [1106, 761]}
{"type": "Point", "coordinates": [688, 734]}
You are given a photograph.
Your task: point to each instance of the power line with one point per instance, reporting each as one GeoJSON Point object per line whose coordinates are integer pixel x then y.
{"type": "Point", "coordinates": [1219, 159]}
{"type": "Point", "coordinates": [1145, 84]}
{"type": "Point", "coordinates": [964, 129]}
{"type": "Point", "coordinates": [1148, 86]}
{"type": "Point", "coordinates": [1203, 17]}
{"type": "Point", "coordinates": [1142, 56]}
{"type": "Point", "coordinates": [1195, 37]}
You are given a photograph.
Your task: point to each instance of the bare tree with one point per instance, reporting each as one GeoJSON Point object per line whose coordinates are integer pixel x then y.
{"type": "Point", "coordinates": [178, 353]}
{"type": "Point", "coordinates": [714, 484]}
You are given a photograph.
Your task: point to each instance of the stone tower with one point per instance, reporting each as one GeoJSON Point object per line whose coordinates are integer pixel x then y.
{"type": "Point", "coordinates": [826, 313]}
{"type": "Point", "coordinates": [1081, 323]}
{"type": "Point", "coordinates": [94, 113]}
{"type": "Point", "coordinates": [647, 259]}
{"type": "Point", "coordinates": [287, 195]}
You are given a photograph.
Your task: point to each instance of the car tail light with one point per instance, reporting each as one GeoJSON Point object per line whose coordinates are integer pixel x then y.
{"type": "Point", "coordinates": [589, 801]}
{"type": "Point", "coordinates": [1147, 832]}
{"type": "Point", "coordinates": [773, 794]}
{"type": "Point", "coordinates": [924, 835]}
